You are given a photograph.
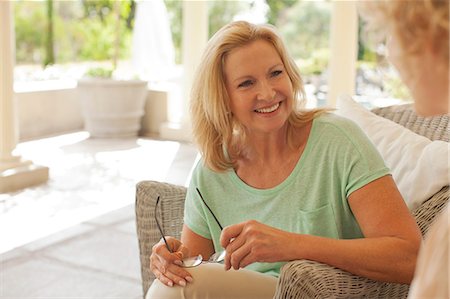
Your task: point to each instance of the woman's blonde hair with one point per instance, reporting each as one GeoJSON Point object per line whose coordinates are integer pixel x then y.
{"type": "Point", "coordinates": [414, 23]}
{"type": "Point", "coordinates": [219, 136]}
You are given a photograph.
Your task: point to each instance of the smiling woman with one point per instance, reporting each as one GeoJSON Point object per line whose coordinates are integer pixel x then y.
{"type": "Point", "coordinates": [224, 126]}
{"type": "Point", "coordinates": [258, 86]}
{"type": "Point", "coordinates": [287, 183]}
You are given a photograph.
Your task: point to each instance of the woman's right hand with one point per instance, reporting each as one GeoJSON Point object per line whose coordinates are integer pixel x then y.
{"type": "Point", "coordinates": [166, 266]}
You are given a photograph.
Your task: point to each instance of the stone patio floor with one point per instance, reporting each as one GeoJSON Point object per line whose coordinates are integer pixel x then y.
{"type": "Point", "coordinates": [75, 236]}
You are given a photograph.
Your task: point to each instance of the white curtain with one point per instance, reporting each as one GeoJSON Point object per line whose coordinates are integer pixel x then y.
{"type": "Point", "coordinates": [153, 54]}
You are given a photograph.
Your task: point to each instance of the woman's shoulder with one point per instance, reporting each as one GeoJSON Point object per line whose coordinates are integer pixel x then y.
{"type": "Point", "coordinates": [337, 124]}
{"type": "Point", "coordinates": [200, 167]}
{"type": "Point", "coordinates": [201, 171]}
{"type": "Point", "coordinates": [205, 178]}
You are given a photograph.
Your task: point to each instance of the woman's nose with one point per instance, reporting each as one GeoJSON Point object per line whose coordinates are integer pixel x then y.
{"type": "Point", "coordinates": [265, 91]}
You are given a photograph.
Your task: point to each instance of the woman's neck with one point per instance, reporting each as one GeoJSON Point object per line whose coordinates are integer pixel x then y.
{"type": "Point", "coordinates": [429, 86]}
{"type": "Point", "coordinates": [269, 160]}
{"type": "Point", "coordinates": [273, 149]}
{"type": "Point", "coordinates": [431, 100]}
{"type": "Point", "coordinates": [267, 148]}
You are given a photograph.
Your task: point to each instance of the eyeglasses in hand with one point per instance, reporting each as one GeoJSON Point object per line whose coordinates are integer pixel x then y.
{"type": "Point", "coordinates": [196, 260]}
{"type": "Point", "coordinates": [217, 257]}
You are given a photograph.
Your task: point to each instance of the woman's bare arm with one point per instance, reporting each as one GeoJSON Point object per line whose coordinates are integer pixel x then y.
{"type": "Point", "coordinates": [392, 238]}
{"type": "Point", "coordinates": [196, 243]}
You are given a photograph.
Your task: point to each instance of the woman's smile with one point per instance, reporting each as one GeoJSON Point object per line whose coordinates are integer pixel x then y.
{"type": "Point", "coordinates": [269, 109]}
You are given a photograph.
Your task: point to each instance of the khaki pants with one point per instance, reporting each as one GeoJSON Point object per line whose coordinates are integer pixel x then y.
{"type": "Point", "coordinates": [211, 281]}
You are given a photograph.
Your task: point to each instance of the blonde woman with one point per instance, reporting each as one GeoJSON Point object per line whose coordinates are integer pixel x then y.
{"type": "Point", "coordinates": [285, 183]}
{"type": "Point", "coordinates": [418, 46]}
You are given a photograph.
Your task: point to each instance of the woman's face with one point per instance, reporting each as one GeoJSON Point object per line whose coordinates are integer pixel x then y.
{"type": "Point", "coordinates": [410, 66]}
{"type": "Point", "coordinates": [259, 87]}
{"type": "Point", "coordinates": [396, 57]}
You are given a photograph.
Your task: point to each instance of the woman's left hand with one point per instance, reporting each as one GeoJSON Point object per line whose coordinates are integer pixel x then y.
{"type": "Point", "coordinates": [250, 241]}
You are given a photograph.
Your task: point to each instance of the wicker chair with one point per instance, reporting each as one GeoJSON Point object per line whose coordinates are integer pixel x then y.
{"type": "Point", "coordinates": [302, 278]}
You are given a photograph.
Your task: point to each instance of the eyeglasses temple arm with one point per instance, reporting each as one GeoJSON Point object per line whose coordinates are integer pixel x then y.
{"type": "Point", "coordinates": [215, 218]}
{"type": "Point", "coordinates": [159, 226]}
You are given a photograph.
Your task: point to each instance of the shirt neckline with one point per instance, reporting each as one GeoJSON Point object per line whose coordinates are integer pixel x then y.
{"type": "Point", "coordinates": [269, 191]}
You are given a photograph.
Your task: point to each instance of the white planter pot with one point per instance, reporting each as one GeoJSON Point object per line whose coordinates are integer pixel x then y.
{"type": "Point", "coordinates": [112, 108]}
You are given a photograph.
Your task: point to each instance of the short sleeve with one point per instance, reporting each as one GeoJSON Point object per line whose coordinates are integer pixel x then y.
{"type": "Point", "coordinates": [363, 162]}
{"type": "Point", "coordinates": [194, 213]}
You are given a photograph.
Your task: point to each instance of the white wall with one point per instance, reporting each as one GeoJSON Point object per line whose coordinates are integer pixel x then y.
{"type": "Point", "coordinates": [52, 112]}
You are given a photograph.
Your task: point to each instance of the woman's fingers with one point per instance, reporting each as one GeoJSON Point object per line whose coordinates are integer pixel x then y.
{"type": "Point", "coordinates": [182, 252]}
{"type": "Point", "coordinates": [174, 275]}
{"type": "Point", "coordinates": [231, 254]}
{"type": "Point", "coordinates": [250, 242]}
{"type": "Point", "coordinates": [231, 232]}
{"type": "Point", "coordinates": [170, 279]}
{"type": "Point", "coordinates": [163, 263]}
{"type": "Point", "coordinates": [247, 260]}
{"type": "Point", "coordinates": [238, 255]}
{"type": "Point", "coordinates": [172, 271]}
{"type": "Point", "coordinates": [161, 277]}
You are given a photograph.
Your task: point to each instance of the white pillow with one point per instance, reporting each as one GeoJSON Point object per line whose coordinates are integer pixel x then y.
{"type": "Point", "coordinates": [419, 166]}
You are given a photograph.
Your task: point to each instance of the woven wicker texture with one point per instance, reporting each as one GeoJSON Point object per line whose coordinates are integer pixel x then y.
{"type": "Point", "coordinates": [427, 212]}
{"type": "Point", "coordinates": [434, 128]}
{"type": "Point", "coordinates": [299, 279]}
{"type": "Point", "coordinates": [309, 279]}
{"type": "Point", "coordinates": [171, 208]}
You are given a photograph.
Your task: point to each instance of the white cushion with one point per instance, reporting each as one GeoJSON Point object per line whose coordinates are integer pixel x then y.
{"type": "Point", "coordinates": [419, 166]}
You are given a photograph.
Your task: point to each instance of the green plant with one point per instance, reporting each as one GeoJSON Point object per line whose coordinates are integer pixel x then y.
{"type": "Point", "coordinates": [316, 63]}
{"type": "Point", "coordinates": [277, 9]}
{"type": "Point", "coordinates": [82, 30]}
{"type": "Point", "coordinates": [220, 13]}
{"type": "Point", "coordinates": [49, 42]}
{"type": "Point", "coordinates": [174, 10]}
{"type": "Point", "coordinates": [30, 28]}
{"type": "Point", "coordinates": [305, 27]}
{"type": "Point", "coordinates": [100, 72]}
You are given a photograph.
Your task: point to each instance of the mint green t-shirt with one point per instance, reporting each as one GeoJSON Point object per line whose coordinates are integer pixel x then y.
{"type": "Point", "coordinates": [337, 160]}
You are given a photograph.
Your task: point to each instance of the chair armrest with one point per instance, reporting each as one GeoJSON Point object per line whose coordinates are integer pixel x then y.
{"type": "Point", "coordinates": [171, 215]}
{"type": "Point", "coordinates": [309, 279]}
{"type": "Point", "coordinates": [427, 212]}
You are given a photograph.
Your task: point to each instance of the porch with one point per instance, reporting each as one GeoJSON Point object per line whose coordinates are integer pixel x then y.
{"type": "Point", "coordinates": [75, 236]}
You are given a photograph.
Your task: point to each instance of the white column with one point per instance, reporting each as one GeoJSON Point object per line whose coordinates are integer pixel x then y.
{"type": "Point", "coordinates": [195, 37]}
{"type": "Point", "coordinates": [8, 131]}
{"type": "Point", "coordinates": [14, 172]}
{"type": "Point", "coordinates": [343, 48]}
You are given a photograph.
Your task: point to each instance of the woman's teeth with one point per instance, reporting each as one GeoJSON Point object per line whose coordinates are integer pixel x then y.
{"type": "Point", "coordinates": [268, 109]}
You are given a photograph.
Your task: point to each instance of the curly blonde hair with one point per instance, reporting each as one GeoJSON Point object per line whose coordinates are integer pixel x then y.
{"type": "Point", "coordinates": [414, 23]}
{"type": "Point", "coordinates": [219, 136]}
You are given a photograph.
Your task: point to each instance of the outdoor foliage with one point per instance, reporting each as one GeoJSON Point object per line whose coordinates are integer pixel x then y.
{"type": "Point", "coordinates": [101, 30]}
{"type": "Point", "coordinates": [99, 72]}
{"type": "Point", "coordinates": [82, 30]}
{"type": "Point", "coordinates": [174, 10]}
{"type": "Point", "coordinates": [220, 13]}
{"type": "Point", "coordinates": [305, 27]}
{"type": "Point", "coordinates": [86, 30]}
{"type": "Point", "coordinates": [277, 9]}
{"type": "Point", "coordinates": [30, 20]}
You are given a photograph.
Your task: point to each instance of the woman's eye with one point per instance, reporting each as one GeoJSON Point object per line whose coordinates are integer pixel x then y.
{"type": "Point", "coordinates": [276, 73]}
{"type": "Point", "coordinates": [245, 83]}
